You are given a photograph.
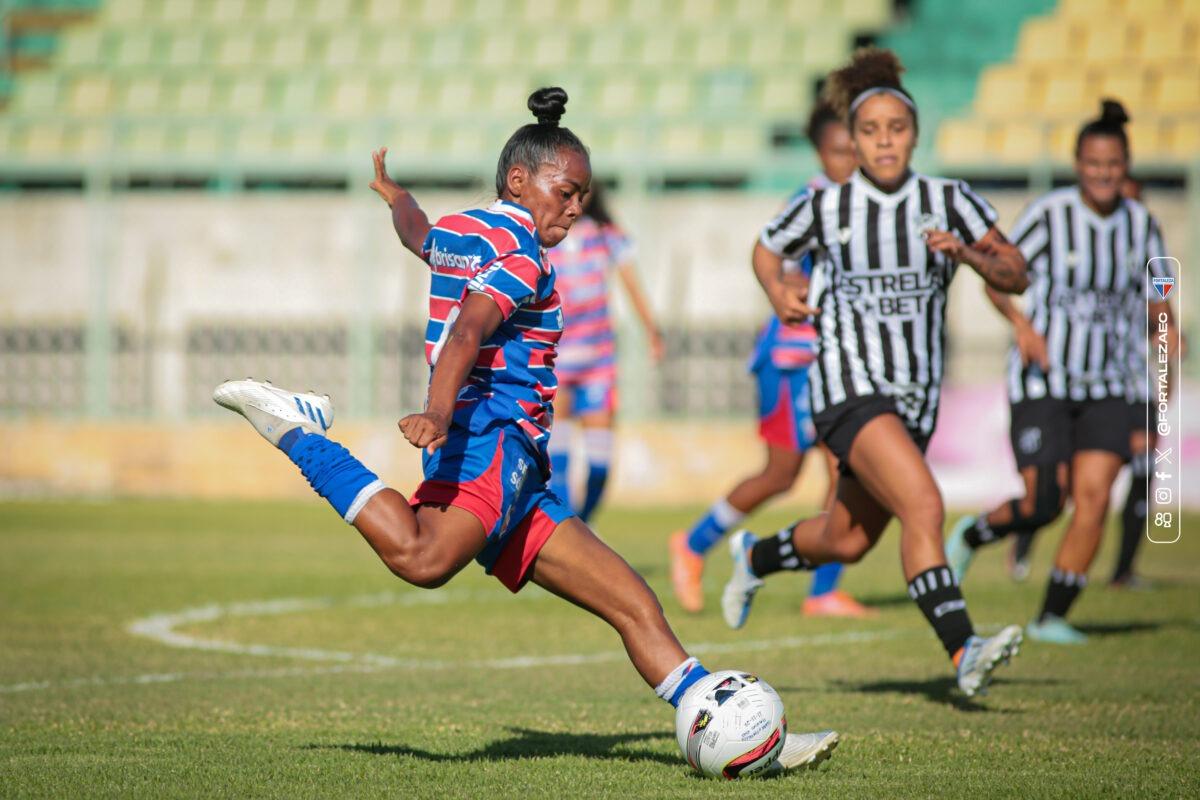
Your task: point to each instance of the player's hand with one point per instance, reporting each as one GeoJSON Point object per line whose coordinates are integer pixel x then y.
{"type": "Point", "coordinates": [946, 243]}
{"type": "Point", "coordinates": [1032, 347]}
{"type": "Point", "coordinates": [790, 303]}
{"type": "Point", "coordinates": [428, 429]}
{"type": "Point", "coordinates": [383, 185]}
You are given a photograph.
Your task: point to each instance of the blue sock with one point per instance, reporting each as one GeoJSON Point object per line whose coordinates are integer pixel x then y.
{"type": "Point", "coordinates": [560, 465]}
{"type": "Point", "coordinates": [596, 479]}
{"type": "Point", "coordinates": [681, 678]}
{"type": "Point", "coordinates": [825, 579]}
{"type": "Point", "coordinates": [331, 471]}
{"type": "Point", "coordinates": [712, 526]}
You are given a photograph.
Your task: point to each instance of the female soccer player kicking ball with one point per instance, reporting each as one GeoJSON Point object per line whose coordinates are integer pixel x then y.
{"type": "Point", "coordinates": [780, 365]}
{"type": "Point", "coordinates": [1089, 251]}
{"type": "Point", "coordinates": [493, 324]}
{"type": "Point", "coordinates": [894, 240]}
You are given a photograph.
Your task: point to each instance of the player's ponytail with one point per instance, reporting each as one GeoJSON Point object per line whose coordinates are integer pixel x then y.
{"type": "Point", "coordinates": [871, 71]}
{"type": "Point", "coordinates": [1111, 122]}
{"type": "Point", "coordinates": [538, 142]}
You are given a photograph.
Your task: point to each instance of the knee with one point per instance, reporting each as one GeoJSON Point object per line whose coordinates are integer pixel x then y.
{"type": "Point", "coordinates": [1045, 503]}
{"type": "Point", "coordinates": [417, 568]}
{"type": "Point", "coordinates": [850, 548]}
{"type": "Point", "coordinates": [923, 512]}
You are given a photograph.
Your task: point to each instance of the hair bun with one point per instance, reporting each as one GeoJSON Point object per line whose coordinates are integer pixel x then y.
{"type": "Point", "coordinates": [548, 105]}
{"type": "Point", "coordinates": [1112, 112]}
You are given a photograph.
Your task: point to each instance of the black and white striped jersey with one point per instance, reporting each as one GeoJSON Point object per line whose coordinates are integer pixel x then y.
{"type": "Point", "coordinates": [1086, 296]}
{"type": "Point", "coordinates": [881, 291]}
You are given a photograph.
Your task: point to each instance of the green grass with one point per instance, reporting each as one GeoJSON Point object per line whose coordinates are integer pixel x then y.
{"type": "Point", "coordinates": [106, 713]}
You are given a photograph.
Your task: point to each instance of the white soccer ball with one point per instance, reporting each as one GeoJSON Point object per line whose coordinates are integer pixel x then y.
{"type": "Point", "coordinates": [730, 724]}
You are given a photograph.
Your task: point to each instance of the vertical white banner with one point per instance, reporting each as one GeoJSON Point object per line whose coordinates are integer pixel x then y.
{"type": "Point", "coordinates": [1164, 413]}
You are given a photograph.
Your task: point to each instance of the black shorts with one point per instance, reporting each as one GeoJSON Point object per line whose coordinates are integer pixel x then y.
{"type": "Point", "coordinates": [1139, 412]}
{"type": "Point", "coordinates": [1050, 431]}
{"type": "Point", "coordinates": [838, 425]}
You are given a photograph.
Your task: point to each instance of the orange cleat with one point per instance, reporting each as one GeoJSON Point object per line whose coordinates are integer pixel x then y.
{"type": "Point", "coordinates": [687, 569]}
{"type": "Point", "coordinates": [837, 604]}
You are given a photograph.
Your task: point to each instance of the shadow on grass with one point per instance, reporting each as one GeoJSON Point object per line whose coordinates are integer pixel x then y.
{"type": "Point", "coordinates": [1120, 628]}
{"type": "Point", "coordinates": [938, 690]}
{"type": "Point", "coordinates": [528, 743]}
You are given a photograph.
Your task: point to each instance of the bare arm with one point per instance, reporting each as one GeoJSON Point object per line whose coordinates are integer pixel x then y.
{"type": "Point", "coordinates": [641, 305]}
{"type": "Point", "coordinates": [479, 318]}
{"type": "Point", "coordinates": [410, 222]}
{"type": "Point", "coordinates": [787, 298]}
{"type": "Point", "coordinates": [997, 261]}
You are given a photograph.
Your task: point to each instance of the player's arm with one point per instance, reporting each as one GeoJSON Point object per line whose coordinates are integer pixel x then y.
{"type": "Point", "coordinates": [410, 222]}
{"type": "Point", "coordinates": [633, 288]}
{"type": "Point", "coordinates": [787, 298]}
{"type": "Point", "coordinates": [478, 320]}
{"type": "Point", "coordinates": [998, 261]}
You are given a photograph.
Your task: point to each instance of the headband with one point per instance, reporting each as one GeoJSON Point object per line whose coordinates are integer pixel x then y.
{"type": "Point", "coordinates": [900, 94]}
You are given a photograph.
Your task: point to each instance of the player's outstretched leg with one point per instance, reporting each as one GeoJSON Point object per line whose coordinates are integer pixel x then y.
{"type": "Point", "coordinates": [577, 566]}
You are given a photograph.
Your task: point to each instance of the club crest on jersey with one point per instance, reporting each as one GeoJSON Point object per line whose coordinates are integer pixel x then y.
{"type": "Point", "coordinates": [931, 222]}
{"type": "Point", "coordinates": [1163, 286]}
{"type": "Point", "coordinates": [844, 235]}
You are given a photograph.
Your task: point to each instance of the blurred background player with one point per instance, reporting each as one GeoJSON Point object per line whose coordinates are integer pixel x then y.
{"type": "Point", "coordinates": [894, 240]}
{"type": "Point", "coordinates": [1089, 250]}
{"type": "Point", "coordinates": [494, 321]}
{"type": "Point", "coordinates": [586, 366]}
{"type": "Point", "coordinates": [780, 364]}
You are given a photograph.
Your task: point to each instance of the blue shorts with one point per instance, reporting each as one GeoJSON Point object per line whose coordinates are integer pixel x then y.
{"type": "Point", "coordinates": [592, 393]}
{"type": "Point", "coordinates": [784, 414]}
{"type": "Point", "coordinates": [498, 477]}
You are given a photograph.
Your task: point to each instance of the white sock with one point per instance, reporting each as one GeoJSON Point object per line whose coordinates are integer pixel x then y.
{"type": "Point", "coordinates": [561, 436]}
{"type": "Point", "coordinates": [366, 493]}
{"type": "Point", "coordinates": [666, 689]}
{"type": "Point", "coordinates": [598, 444]}
{"type": "Point", "coordinates": [726, 515]}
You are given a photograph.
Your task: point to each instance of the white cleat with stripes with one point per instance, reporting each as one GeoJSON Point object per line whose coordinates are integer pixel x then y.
{"type": "Point", "coordinates": [981, 657]}
{"type": "Point", "coordinates": [272, 411]}
{"type": "Point", "coordinates": [804, 751]}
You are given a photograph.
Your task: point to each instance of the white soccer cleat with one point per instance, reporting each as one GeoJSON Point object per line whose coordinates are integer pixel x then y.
{"type": "Point", "coordinates": [739, 591]}
{"type": "Point", "coordinates": [273, 412]}
{"type": "Point", "coordinates": [804, 751]}
{"type": "Point", "coordinates": [982, 656]}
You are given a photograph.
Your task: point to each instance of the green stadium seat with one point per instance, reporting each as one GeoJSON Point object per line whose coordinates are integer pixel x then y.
{"type": "Point", "coordinates": [134, 49]}
{"type": "Point", "coordinates": [196, 95]}
{"type": "Point", "coordinates": [455, 95]}
{"type": "Point", "coordinates": [697, 13]}
{"type": "Point", "coordinates": [300, 95]}
{"type": "Point", "coordinates": [503, 51]}
{"type": "Point", "coordinates": [447, 48]}
{"type": "Point", "coordinates": [256, 140]}
{"type": "Point", "coordinates": [754, 12]}
{"type": "Point", "coordinates": [683, 140]}
{"type": "Point", "coordinates": [350, 96]}
{"type": "Point", "coordinates": [46, 139]}
{"type": "Point", "coordinates": [287, 51]}
{"type": "Point", "coordinates": [283, 13]}
{"type": "Point", "coordinates": [466, 141]}
{"type": "Point", "coordinates": [434, 12]}
{"type": "Point", "coordinates": [593, 14]}
{"type": "Point", "coordinates": [142, 93]}
{"type": "Point", "coordinates": [726, 92]}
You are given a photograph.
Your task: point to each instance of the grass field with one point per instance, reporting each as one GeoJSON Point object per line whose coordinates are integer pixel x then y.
{"type": "Point", "coordinates": [259, 650]}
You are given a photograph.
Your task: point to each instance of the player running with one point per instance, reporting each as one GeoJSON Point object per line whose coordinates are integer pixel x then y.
{"type": "Point", "coordinates": [587, 359]}
{"type": "Point", "coordinates": [494, 321]}
{"type": "Point", "coordinates": [894, 239]}
{"type": "Point", "coordinates": [1089, 250]}
{"type": "Point", "coordinates": [780, 364]}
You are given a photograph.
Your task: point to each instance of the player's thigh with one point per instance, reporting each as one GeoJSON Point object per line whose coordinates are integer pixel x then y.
{"type": "Point", "coordinates": [856, 519]}
{"type": "Point", "coordinates": [784, 462]}
{"type": "Point", "coordinates": [1092, 475]}
{"type": "Point", "coordinates": [889, 465]}
{"type": "Point", "coordinates": [577, 566]}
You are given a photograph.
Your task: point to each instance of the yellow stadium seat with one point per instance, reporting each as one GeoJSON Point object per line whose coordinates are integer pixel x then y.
{"type": "Point", "coordinates": [92, 138]}
{"type": "Point", "coordinates": [1061, 146]}
{"type": "Point", "coordinates": [963, 141]}
{"type": "Point", "coordinates": [456, 95]}
{"type": "Point", "coordinates": [403, 93]}
{"type": "Point", "coordinates": [553, 49]}
{"type": "Point", "coordinates": [697, 12]}
{"type": "Point", "coordinates": [397, 49]}
{"type": "Point", "coordinates": [508, 94]}
{"type": "Point", "coordinates": [300, 95]}
{"type": "Point", "coordinates": [247, 95]}
{"type": "Point", "coordinates": [825, 46]}
{"type": "Point", "coordinates": [753, 11]}
{"type": "Point", "coordinates": [256, 140]}
{"type": "Point", "coordinates": [502, 51]}
{"type": "Point", "coordinates": [1125, 83]}
{"type": "Point", "coordinates": [179, 12]}
{"type": "Point", "coordinates": [1146, 139]}
{"type": "Point", "coordinates": [334, 12]}
{"type": "Point", "coordinates": [125, 12]}
{"type": "Point", "coordinates": [196, 95]}
{"type": "Point", "coordinates": [46, 138]}
{"type": "Point", "coordinates": [770, 48]}
{"type": "Point", "coordinates": [201, 140]}
{"type": "Point", "coordinates": [82, 47]}
{"type": "Point", "coordinates": [1004, 90]}
{"type": "Point", "coordinates": [1107, 41]}
{"type": "Point", "coordinates": [594, 13]}
{"type": "Point", "coordinates": [432, 12]}
{"type": "Point", "coordinates": [446, 48]}
{"type": "Point", "coordinates": [1066, 94]}
{"type": "Point", "coordinates": [288, 50]}
{"type": "Point", "coordinates": [540, 13]}
{"type": "Point", "coordinates": [282, 12]}
{"type": "Point", "coordinates": [741, 141]}
{"type": "Point", "coordinates": [1046, 40]}
{"type": "Point", "coordinates": [228, 12]}
{"type": "Point", "coordinates": [665, 46]}
{"type": "Point", "coordinates": [1089, 9]}
{"type": "Point", "coordinates": [236, 49]}
{"type": "Point", "coordinates": [1021, 143]}
{"type": "Point", "coordinates": [717, 47]}
{"type": "Point", "coordinates": [782, 95]}
{"type": "Point", "coordinates": [134, 49]}
{"type": "Point", "coordinates": [682, 140]}
{"type": "Point", "coordinates": [866, 15]}
{"type": "Point", "coordinates": [90, 96]}
{"type": "Point", "coordinates": [672, 96]}
{"type": "Point", "coordinates": [307, 141]}
{"type": "Point", "coordinates": [618, 96]}
{"type": "Point", "coordinates": [347, 49]}
{"type": "Point", "coordinates": [1178, 92]}
{"type": "Point", "coordinates": [410, 140]}
{"type": "Point", "coordinates": [492, 13]}
{"type": "Point", "coordinates": [1167, 40]}
{"type": "Point", "coordinates": [802, 12]}
{"type": "Point", "coordinates": [185, 50]}
{"type": "Point", "coordinates": [146, 139]}
{"type": "Point", "coordinates": [466, 142]}
{"type": "Point", "coordinates": [1154, 9]}
{"type": "Point", "coordinates": [1185, 140]}
{"type": "Point", "coordinates": [609, 47]}
{"type": "Point", "coordinates": [143, 94]}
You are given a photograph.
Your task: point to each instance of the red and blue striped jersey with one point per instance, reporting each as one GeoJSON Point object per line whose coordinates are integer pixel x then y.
{"type": "Point", "coordinates": [582, 264]}
{"type": "Point", "coordinates": [496, 251]}
{"type": "Point", "coordinates": [791, 346]}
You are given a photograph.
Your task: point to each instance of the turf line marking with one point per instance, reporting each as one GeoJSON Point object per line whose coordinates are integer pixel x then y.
{"type": "Point", "coordinates": [161, 628]}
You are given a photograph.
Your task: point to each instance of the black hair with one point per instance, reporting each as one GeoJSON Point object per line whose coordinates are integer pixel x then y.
{"type": "Point", "coordinates": [1111, 122]}
{"type": "Point", "coordinates": [597, 205]}
{"type": "Point", "coordinates": [869, 68]}
{"type": "Point", "coordinates": [823, 115]}
{"type": "Point", "coordinates": [538, 142]}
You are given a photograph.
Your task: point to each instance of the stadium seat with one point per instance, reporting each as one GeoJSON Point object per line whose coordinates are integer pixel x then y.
{"type": "Point", "coordinates": [256, 140]}
{"type": "Point", "coordinates": [286, 51]}
{"type": "Point", "coordinates": [300, 95]}
{"type": "Point", "coordinates": [334, 12]}
{"type": "Point", "coordinates": [90, 96]}
{"type": "Point", "coordinates": [125, 12]}
{"type": "Point", "coordinates": [446, 48]}
{"type": "Point", "coordinates": [432, 12]}
{"type": "Point", "coordinates": [683, 140]}
{"type": "Point", "coordinates": [134, 49]}
{"type": "Point", "coordinates": [1147, 140]}
{"type": "Point", "coordinates": [146, 138]}
{"type": "Point", "coordinates": [279, 13]}
{"type": "Point", "coordinates": [397, 48]}
{"type": "Point", "coordinates": [37, 93]}
{"type": "Point", "coordinates": [715, 47]}
{"type": "Point", "coordinates": [1060, 147]}
{"type": "Point", "coordinates": [609, 47]}
{"type": "Point", "coordinates": [770, 48]}
{"type": "Point", "coordinates": [1089, 9]}
{"type": "Point", "coordinates": [553, 49]}
{"type": "Point", "coordinates": [1004, 90]}
{"type": "Point", "coordinates": [347, 49]}
{"type": "Point", "coordinates": [236, 49]}
{"type": "Point", "coordinates": [672, 96]}
{"type": "Point", "coordinates": [782, 95]}
{"type": "Point", "coordinates": [1184, 140]}
{"type": "Point", "coordinates": [227, 13]}
{"type": "Point", "coordinates": [665, 48]}
{"type": "Point", "coordinates": [1178, 92]}
{"type": "Point", "coordinates": [618, 96]}
{"type": "Point", "coordinates": [1066, 93]}
{"type": "Point", "coordinates": [1046, 40]}
{"type": "Point", "coordinates": [196, 96]}
{"type": "Point", "coordinates": [865, 15]}
{"type": "Point", "coordinates": [825, 47]}
{"type": "Point", "coordinates": [186, 50]}
{"type": "Point", "coordinates": [201, 140]}
{"type": "Point", "coordinates": [799, 13]}
{"type": "Point", "coordinates": [1107, 41]}
{"type": "Point", "coordinates": [46, 138]}
{"type": "Point", "coordinates": [142, 94]}
{"type": "Point", "coordinates": [962, 141]}
{"type": "Point", "coordinates": [455, 96]}
{"type": "Point", "coordinates": [1021, 143]}
{"type": "Point", "coordinates": [83, 47]}
{"type": "Point", "coordinates": [1166, 40]}
{"type": "Point", "coordinates": [502, 51]}
{"type": "Point", "coordinates": [1125, 83]}
{"type": "Point", "coordinates": [594, 13]}
{"type": "Point", "coordinates": [724, 92]}
{"type": "Point", "coordinates": [741, 141]}
{"type": "Point", "coordinates": [247, 95]}
{"type": "Point", "coordinates": [178, 12]}
{"type": "Point", "coordinates": [399, 94]}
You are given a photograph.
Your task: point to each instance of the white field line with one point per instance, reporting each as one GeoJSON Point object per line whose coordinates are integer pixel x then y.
{"type": "Point", "coordinates": [162, 629]}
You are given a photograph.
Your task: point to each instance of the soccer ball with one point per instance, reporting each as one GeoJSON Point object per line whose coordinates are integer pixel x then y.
{"type": "Point", "coordinates": [730, 724]}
